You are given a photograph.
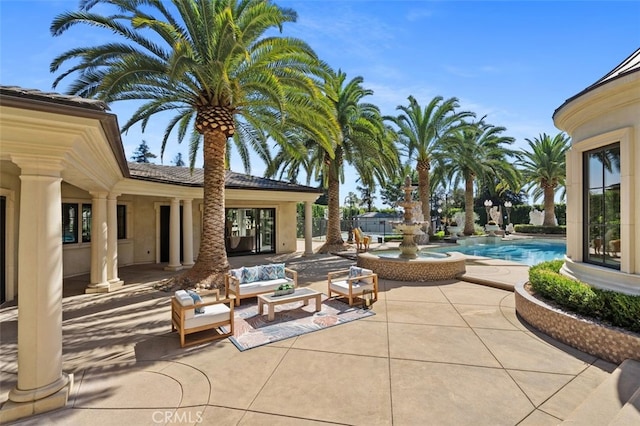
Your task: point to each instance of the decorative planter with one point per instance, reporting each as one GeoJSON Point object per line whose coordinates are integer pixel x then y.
{"type": "Point", "coordinates": [491, 229]}
{"type": "Point", "coordinates": [454, 231]}
{"type": "Point", "coordinates": [284, 292]}
{"type": "Point", "coordinates": [609, 343]}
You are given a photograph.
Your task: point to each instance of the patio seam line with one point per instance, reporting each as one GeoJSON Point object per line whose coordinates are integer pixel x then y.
{"type": "Point", "coordinates": [275, 368]}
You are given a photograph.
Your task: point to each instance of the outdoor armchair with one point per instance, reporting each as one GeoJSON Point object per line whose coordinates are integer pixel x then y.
{"type": "Point", "coordinates": [191, 314]}
{"type": "Point", "coordinates": [352, 282]}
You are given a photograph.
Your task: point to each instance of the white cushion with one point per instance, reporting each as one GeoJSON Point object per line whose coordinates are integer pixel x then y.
{"type": "Point", "coordinates": [262, 286]}
{"type": "Point", "coordinates": [212, 314]}
{"type": "Point", "coordinates": [184, 299]}
{"type": "Point", "coordinates": [357, 286]}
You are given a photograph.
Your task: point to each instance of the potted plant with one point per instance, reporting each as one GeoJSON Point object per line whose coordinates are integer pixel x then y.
{"type": "Point", "coordinates": [284, 289]}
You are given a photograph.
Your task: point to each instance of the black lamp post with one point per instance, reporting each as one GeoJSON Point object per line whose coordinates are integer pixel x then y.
{"type": "Point", "coordinates": [349, 201]}
{"type": "Point", "coordinates": [487, 206]}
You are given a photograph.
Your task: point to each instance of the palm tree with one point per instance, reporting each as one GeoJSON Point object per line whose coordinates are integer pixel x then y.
{"type": "Point", "coordinates": [363, 142]}
{"type": "Point", "coordinates": [210, 63]}
{"type": "Point", "coordinates": [476, 153]}
{"type": "Point", "coordinates": [420, 132]}
{"type": "Point", "coordinates": [544, 167]}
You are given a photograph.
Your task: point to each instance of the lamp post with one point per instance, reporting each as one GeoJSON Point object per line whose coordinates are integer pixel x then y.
{"type": "Point", "coordinates": [348, 200]}
{"type": "Point", "coordinates": [508, 205]}
{"type": "Point", "coordinates": [487, 206]}
{"type": "Point", "coordinates": [439, 219]}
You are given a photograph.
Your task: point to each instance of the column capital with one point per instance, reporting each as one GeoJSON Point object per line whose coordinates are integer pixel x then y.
{"type": "Point", "coordinates": [98, 194]}
{"type": "Point", "coordinates": [38, 166]}
{"type": "Point", "coordinates": [113, 195]}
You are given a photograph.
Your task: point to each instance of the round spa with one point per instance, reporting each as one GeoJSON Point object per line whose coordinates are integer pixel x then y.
{"type": "Point", "coordinates": [428, 266]}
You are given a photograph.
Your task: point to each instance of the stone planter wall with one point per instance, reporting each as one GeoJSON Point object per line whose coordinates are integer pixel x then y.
{"type": "Point", "coordinates": [608, 343]}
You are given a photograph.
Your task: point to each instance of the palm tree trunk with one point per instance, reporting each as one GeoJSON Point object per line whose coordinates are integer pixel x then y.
{"type": "Point", "coordinates": [468, 206]}
{"type": "Point", "coordinates": [424, 192]}
{"type": "Point", "coordinates": [208, 270]}
{"type": "Point", "coordinates": [334, 235]}
{"type": "Point", "coordinates": [549, 206]}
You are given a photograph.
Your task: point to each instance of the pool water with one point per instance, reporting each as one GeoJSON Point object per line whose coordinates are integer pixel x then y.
{"type": "Point", "coordinates": [529, 252]}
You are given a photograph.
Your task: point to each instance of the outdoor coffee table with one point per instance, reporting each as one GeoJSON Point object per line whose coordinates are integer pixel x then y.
{"type": "Point", "coordinates": [301, 294]}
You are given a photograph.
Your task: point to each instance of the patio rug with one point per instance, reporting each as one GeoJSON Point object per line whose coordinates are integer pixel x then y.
{"type": "Point", "coordinates": [291, 319]}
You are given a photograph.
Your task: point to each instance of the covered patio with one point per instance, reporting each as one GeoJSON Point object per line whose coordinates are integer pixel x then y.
{"type": "Point", "coordinates": [449, 352]}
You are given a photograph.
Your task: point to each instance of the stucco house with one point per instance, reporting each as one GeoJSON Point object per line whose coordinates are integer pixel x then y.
{"type": "Point", "coordinates": [603, 180]}
{"type": "Point", "coordinates": [71, 204]}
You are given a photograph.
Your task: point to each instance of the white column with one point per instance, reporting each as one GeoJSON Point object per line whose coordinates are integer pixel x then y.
{"type": "Point", "coordinates": [112, 241]}
{"type": "Point", "coordinates": [308, 226]}
{"type": "Point", "coordinates": [42, 386]}
{"type": "Point", "coordinates": [99, 282]}
{"type": "Point", "coordinates": [187, 233]}
{"type": "Point", "coordinates": [174, 236]}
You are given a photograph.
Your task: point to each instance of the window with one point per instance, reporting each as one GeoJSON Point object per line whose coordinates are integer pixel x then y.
{"type": "Point", "coordinates": [69, 223]}
{"type": "Point", "coordinates": [602, 206]}
{"type": "Point", "coordinates": [122, 221]}
{"type": "Point", "coordinates": [86, 223]}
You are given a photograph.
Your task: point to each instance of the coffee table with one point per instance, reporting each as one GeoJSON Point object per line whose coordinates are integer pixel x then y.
{"type": "Point", "coordinates": [300, 294]}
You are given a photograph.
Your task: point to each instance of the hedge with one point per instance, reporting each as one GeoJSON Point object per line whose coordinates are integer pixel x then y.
{"type": "Point", "coordinates": [617, 309]}
{"type": "Point", "coordinates": [534, 229]}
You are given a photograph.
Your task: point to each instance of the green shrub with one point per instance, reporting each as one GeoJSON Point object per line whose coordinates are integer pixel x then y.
{"type": "Point", "coordinates": [534, 229]}
{"type": "Point", "coordinates": [618, 309]}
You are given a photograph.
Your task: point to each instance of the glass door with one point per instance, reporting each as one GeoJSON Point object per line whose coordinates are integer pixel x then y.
{"type": "Point", "coordinates": [266, 235]}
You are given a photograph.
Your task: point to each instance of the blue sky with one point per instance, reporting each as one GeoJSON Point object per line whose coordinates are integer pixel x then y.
{"type": "Point", "coordinates": [515, 62]}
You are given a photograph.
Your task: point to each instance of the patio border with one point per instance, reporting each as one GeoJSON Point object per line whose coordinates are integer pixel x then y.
{"type": "Point", "coordinates": [611, 344]}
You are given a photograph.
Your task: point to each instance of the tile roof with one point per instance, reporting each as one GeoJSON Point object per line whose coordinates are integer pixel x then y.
{"type": "Point", "coordinates": [52, 97]}
{"type": "Point", "coordinates": [184, 176]}
{"type": "Point", "coordinates": [630, 65]}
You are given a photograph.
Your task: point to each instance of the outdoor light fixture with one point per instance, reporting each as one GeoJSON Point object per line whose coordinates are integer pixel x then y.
{"type": "Point", "coordinates": [508, 205]}
{"type": "Point", "coordinates": [487, 206]}
{"type": "Point", "coordinates": [367, 298]}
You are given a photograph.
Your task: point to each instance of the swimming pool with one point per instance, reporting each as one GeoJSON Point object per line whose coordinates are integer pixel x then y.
{"type": "Point", "coordinates": [529, 252]}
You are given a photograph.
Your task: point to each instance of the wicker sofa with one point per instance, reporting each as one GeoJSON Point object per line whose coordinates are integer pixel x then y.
{"type": "Point", "coordinates": [251, 281]}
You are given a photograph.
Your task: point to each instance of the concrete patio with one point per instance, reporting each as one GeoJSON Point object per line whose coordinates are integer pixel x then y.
{"type": "Point", "coordinates": [446, 353]}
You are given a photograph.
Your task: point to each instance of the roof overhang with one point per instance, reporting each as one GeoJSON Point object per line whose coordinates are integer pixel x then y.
{"type": "Point", "coordinates": [86, 141]}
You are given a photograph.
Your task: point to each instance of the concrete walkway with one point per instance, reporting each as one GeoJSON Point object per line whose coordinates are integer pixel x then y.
{"type": "Point", "coordinates": [446, 353]}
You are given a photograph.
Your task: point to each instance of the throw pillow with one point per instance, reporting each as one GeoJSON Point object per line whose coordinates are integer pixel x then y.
{"type": "Point", "coordinates": [279, 270]}
{"type": "Point", "coordinates": [354, 271]}
{"type": "Point", "coordinates": [196, 299]}
{"type": "Point", "coordinates": [250, 275]}
{"type": "Point", "coordinates": [268, 272]}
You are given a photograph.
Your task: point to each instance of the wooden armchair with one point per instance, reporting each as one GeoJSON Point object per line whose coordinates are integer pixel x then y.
{"type": "Point", "coordinates": [352, 282]}
{"type": "Point", "coordinates": [213, 315]}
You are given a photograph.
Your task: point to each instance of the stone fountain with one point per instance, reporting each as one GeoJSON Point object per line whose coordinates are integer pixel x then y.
{"type": "Point", "coordinates": [409, 227]}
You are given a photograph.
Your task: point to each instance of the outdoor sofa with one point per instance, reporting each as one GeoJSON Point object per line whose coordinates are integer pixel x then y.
{"type": "Point", "coordinates": [251, 281]}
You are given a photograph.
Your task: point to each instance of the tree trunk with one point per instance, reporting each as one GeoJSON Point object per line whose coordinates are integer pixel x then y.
{"type": "Point", "coordinates": [334, 239]}
{"type": "Point", "coordinates": [208, 270]}
{"type": "Point", "coordinates": [424, 191]}
{"type": "Point", "coordinates": [469, 228]}
{"type": "Point", "coordinates": [549, 206]}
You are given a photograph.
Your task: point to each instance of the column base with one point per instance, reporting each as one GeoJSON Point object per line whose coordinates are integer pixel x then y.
{"type": "Point", "coordinates": [188, 265]}
{"type": "Point", "coordinates": [103, 287]}
{"type": "Point", "coordinates": [173, 268]}
{"type": "Point", "coordinates": [12, 411]}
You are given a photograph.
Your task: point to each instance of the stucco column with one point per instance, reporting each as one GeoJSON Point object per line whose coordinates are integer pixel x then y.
{"type": "Point", "coordinates": [187, 233]}
{"type": "Point", "coordinates": [99, 282]}
{"type": "Point", "coordinates": [42, 386]}
{"type": "Point", "coordinates": [174, 236]}
{"type": "Point", "coordinates": [112, 241]}
{"type": "Point", "coordinates": [308, 227]}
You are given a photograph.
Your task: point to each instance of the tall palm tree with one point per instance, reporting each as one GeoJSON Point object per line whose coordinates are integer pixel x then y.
{"type": "Point", "coordinates": [475, 153]}
{"type": "Point", "coordinates": [420, 132]}
{"type": "Point", "coordinates": [544, 167]}
{"type": "Point", "coordinates": [210, 63]}
{"type": "Point", "coordinates": [363, 142]}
